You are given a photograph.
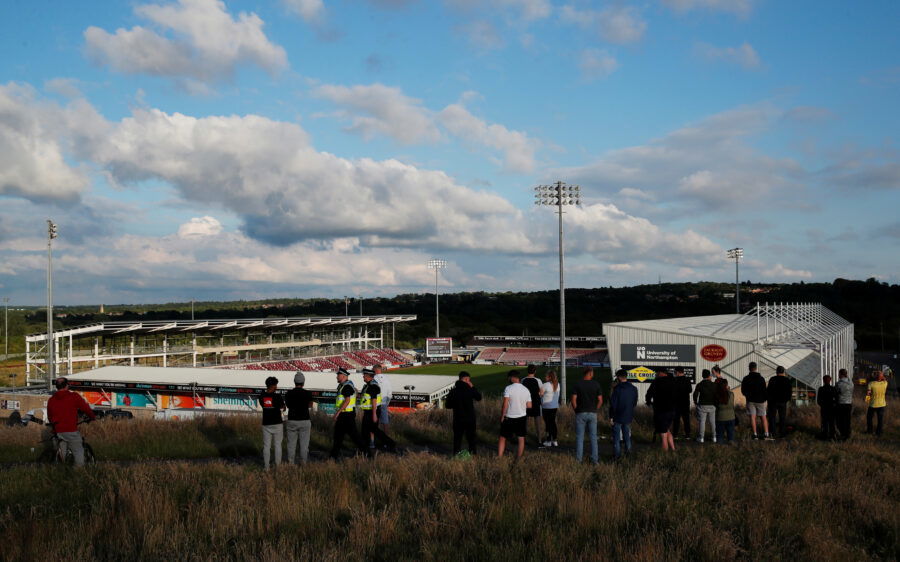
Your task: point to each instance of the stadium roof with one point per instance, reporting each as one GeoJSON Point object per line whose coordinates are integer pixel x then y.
{"type": "Point", "coordinates": [150, 326]}
{"type": "Point", "coordinates": [113, 378]}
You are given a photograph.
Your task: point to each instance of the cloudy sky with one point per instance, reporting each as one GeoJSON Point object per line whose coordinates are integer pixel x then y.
{"type": "Point", "coordinates": [233, 149]}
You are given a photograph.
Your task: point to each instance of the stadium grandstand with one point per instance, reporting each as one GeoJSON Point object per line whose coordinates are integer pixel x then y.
{"type": "Point", "coordinates": [350, 360]}
{"type": "Point", "coordinates": [320, 343]}
{"type": "Point", "coordinates": [540, 350]}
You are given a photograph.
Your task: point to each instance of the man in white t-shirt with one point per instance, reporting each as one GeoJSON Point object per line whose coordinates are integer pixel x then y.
{"type": "Point", "coordinates": [513, 423]}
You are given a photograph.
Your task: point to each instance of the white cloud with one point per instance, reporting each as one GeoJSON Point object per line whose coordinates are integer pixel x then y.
{"type": "Point", "coordinates": [66, 87]}
{"type": "Point", "coordinates": [483, 35]}
{"type": "Point", "coordinates": [528, 10]}
{"type": "Point", "coordinates": [35, 140]}
{"type": "Point", "coordinates": [744, 55]}
{"type": "Point", "coordinates": [379, 109]}
{"type": "Point", "coordinates": [781, 272]}
{"type": "Point", "coordinates": [517, 147]}
{"type": "Point", "coordinates": [309, 10]}
{"type": "Point", "coordinates": [738, 7]}
{"type": "Point", "coordinates": [201, 43]}
{"type": "Point", "coordinates": [615, 24]}
{"type": "Point", "coordinates": [200, 226]}
{"type": "Point", "coordinates": [596, 64]}
{"type": "Point", "coordinates": [709, 164]}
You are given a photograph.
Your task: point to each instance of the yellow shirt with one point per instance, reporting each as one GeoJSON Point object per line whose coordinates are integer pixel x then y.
{"type": "Point", "coordinates": [878, 390]}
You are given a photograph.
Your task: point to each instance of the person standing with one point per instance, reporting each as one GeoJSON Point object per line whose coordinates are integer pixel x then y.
{"type": "Point", "coordinates": [370, 401]}
{"type": "Point", "coordinates": [661, 397]}
{"type": "Point", "coordinates": [753, 387]}
{"type": "Point", "coordinates": [682, 403]}
{"type": "Point", "coordinates": [705, 400]}
{"type": "Point", "coordinates": [549, 408]}
{"type": "Point", "coordinates": [298, 426]}
{"type": "Point", "coordinates": [345, 414]}
{"type": "Point", "coordinates": [272, 423]}
{"type": "Point", "coordinates": [779, 392]}
{"type": "Point", "coordinates": [533, 384]}
{"type": "Point", "coordinates": [844, 409]}
{"type": "Point", "coordinates": [875, 396]}
{"type": "Point", "coordinates": [513, 423]}
{"type": "Point", "coordinates": [63, 409]}
{"type": "Point", "coordinates": [826, 398]}
{"type": "Point", "coordinates": [462, 401]}
{"type": "Point", "coordinates": [387, 394]}
{"type": "Point", "coordinates": [716, 373]}
{"type": "Point", "coordinates": [586, 400]}
{"type": "Point", "coordinates": [621, 413]}
{"type": "Point", "coordinates": [725, 417]}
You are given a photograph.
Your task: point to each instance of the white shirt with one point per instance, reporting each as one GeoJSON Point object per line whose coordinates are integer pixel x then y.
{"type": "Point", "coordinates": [384, 383]}
{"type": "Point", "coordinates": [519, 397]}
{"type": "Point", "coordinates": [550, 399]}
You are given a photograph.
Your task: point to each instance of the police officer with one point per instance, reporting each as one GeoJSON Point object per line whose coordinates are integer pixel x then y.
{"type": "Point", "coordinates": [370, 404]}
{"type": "Point", "coordinates": [345, 414]}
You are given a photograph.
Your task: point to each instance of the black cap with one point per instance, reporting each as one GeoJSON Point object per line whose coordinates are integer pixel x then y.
{"type": "Point", "coordinates": [343, 371]}
{"type": "Point", "coordinates": [368, 372]}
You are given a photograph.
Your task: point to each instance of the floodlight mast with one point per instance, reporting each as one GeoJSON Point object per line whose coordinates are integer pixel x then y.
{"type": "Point", "coordinates": [736, 254]}
{"type": "Point", "coordinates": [51, 359]}
{"type": "Point", "coordinates": [437, 265]}
{"type": "Point", "coordinates": [557, 195]}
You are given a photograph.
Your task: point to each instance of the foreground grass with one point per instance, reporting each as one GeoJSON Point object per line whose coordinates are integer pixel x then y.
{"type": "Point", "coordinates": [804, 501]}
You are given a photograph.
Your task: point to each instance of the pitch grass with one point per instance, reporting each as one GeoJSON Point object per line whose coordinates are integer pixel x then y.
{"type": "Point", "coordinates": [491, 379]}
{"type": "Point", "coordinates": [797, 499]}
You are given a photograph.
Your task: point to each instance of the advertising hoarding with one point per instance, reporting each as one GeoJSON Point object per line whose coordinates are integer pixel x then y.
{"type": "Point", "coordinates": [647, 373]}
{"type": "Point", "coordinates": [658, 352]}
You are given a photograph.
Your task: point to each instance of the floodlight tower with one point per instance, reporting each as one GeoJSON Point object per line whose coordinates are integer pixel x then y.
{"type": "Point", "coordinates": [6, 327]}
{"type": "Point", "coordinates": [51, 358]}
{"type": "Point", "coordinates": [736, 254]}
{"type": "Point", "coordinates": [437, 265]}
{"type": "Point", "coordinates": [557, 195]}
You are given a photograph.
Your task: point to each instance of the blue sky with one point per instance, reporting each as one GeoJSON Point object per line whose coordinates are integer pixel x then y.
{"type": "Point", "coordinates": [220, 150]}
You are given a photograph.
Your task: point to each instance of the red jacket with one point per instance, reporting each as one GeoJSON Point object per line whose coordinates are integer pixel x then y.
{"type": "Point", "coordinates": [63, 408]}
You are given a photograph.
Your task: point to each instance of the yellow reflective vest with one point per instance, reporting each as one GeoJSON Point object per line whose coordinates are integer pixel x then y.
{"type": "Point", "coordinates": [339, 399]}
{"type": "Point", "coordinates": [365, 401]}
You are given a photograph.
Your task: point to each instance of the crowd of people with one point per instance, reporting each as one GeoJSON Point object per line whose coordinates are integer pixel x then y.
{"type": "Point", "coordinates": [671, 399]}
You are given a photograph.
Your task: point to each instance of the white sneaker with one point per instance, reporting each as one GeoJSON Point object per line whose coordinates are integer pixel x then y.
{"type": "Point", "coordinates": [699, 440]}
{"type": "Point", "coordinates": [547, 443]}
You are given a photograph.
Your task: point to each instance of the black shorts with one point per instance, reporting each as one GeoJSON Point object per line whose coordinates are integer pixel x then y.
{"type": "Point", "coordinates": [534, 412]}
{"type": "Point", "coordinates": [514, 427]}
{"type": "Point", "coordinates": [662, 421]}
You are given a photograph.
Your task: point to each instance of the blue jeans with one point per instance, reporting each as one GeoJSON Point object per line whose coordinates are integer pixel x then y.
{"type": "Point", "coordinates": [589, 419]}
{"type": "Point", "coordinates": [725, 431]}
{"type": "Point", "coordinates": [621, 431]}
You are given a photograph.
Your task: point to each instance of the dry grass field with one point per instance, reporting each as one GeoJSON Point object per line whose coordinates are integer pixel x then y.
{"type": "Point", "coordinates": [798, 499]}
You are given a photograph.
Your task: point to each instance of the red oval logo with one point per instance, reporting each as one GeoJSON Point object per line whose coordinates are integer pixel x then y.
{"type": "Point", "coordinates": [713, 353]}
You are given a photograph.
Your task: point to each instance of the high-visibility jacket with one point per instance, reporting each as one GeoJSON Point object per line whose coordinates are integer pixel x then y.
{"type": "Point", "coordinates": [339, 399]}
{"type": "Point", "coordinates": [365, 401]}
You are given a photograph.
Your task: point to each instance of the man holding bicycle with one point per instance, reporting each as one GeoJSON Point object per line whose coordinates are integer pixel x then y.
{"type": "Point", "coordinates": [62, 410]}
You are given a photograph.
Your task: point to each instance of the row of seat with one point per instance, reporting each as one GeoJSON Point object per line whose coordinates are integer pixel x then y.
{"type": "Point", "coordinates": [350, 360]}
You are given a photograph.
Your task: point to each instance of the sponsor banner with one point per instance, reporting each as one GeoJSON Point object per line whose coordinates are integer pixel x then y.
{"type": "Point", "coordinates": [134, 400]}
{"type": "Point", "coordinates": [647, 373]}
{"type": "Point", "coordinates": [231, 402]}
{"type": "Point", "coordinates": [10, 404]}
{"type": "Point", "coordinates": [713, 353]}
{"type": "Point", "coordinates": [439, 347]}
{"type": "Point", "coordinates": [181, 401]}
{"type": "Point", "coordinates": [658, 352]}
{"type": "Point", "coordinates": [95, 398]}
{"type": "Point", "coordinates": [119, 386]}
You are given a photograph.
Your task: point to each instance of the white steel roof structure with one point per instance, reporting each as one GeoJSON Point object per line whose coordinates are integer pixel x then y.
{"type": "Point", "coordinates": [427, 387]}
{"type": "Point", "coordinates": [807, 339]}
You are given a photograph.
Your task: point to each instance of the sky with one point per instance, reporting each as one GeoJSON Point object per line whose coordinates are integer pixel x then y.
{"type": "Point", "coordinates": [219, 150]}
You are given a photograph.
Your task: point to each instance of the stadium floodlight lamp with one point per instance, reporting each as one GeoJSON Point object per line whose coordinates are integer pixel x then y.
{"type": "Point", "coordinates": [437, 265]}
{"type": "Point", "coordinates": [557, 195]}
{"type": "Point", "coordinates": [736, 254]}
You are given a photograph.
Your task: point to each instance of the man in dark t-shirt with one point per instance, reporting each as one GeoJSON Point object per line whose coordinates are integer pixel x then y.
{"type": "Point", "coordinates": [298, 425]}
{"type": "Point", "coordinates": [272, 425]}
{"type": "Point", "coordinates": [533, 384]}
{"type": "Point", "coordinates": [661, 397]}
{"type": "Point", "coordinates": [586, 400]}
{"type": "Point", "coordinates": [370, 401]}
{"type": "Point", "coordinates": [683, 391]}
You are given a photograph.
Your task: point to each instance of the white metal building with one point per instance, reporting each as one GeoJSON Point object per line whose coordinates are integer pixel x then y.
{"type": "Point", "coordinates": [808, 340]}
{"type": "Point", "coordinates": [209, 390]}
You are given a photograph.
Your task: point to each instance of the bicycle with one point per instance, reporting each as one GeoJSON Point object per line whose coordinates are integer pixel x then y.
{"type": "Point", "coordinates": [53, 453]}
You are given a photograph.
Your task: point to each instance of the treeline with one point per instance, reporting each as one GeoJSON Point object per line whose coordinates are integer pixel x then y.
{"type": "Point", "coordinates": [873, 306]}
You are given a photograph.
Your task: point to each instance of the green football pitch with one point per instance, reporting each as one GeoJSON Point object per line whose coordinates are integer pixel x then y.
{"type": "Point", "coordinates": [491, 379]}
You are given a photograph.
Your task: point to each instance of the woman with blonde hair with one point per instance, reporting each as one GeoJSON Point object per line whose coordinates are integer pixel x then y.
{"type": "Point", "coordinates": [549, 407]}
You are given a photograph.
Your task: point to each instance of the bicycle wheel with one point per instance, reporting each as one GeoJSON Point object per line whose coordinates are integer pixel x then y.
{"type": "Point", "coordinates": [89, 457]}
{"type": "Point", "coordinates": [47, 456]}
